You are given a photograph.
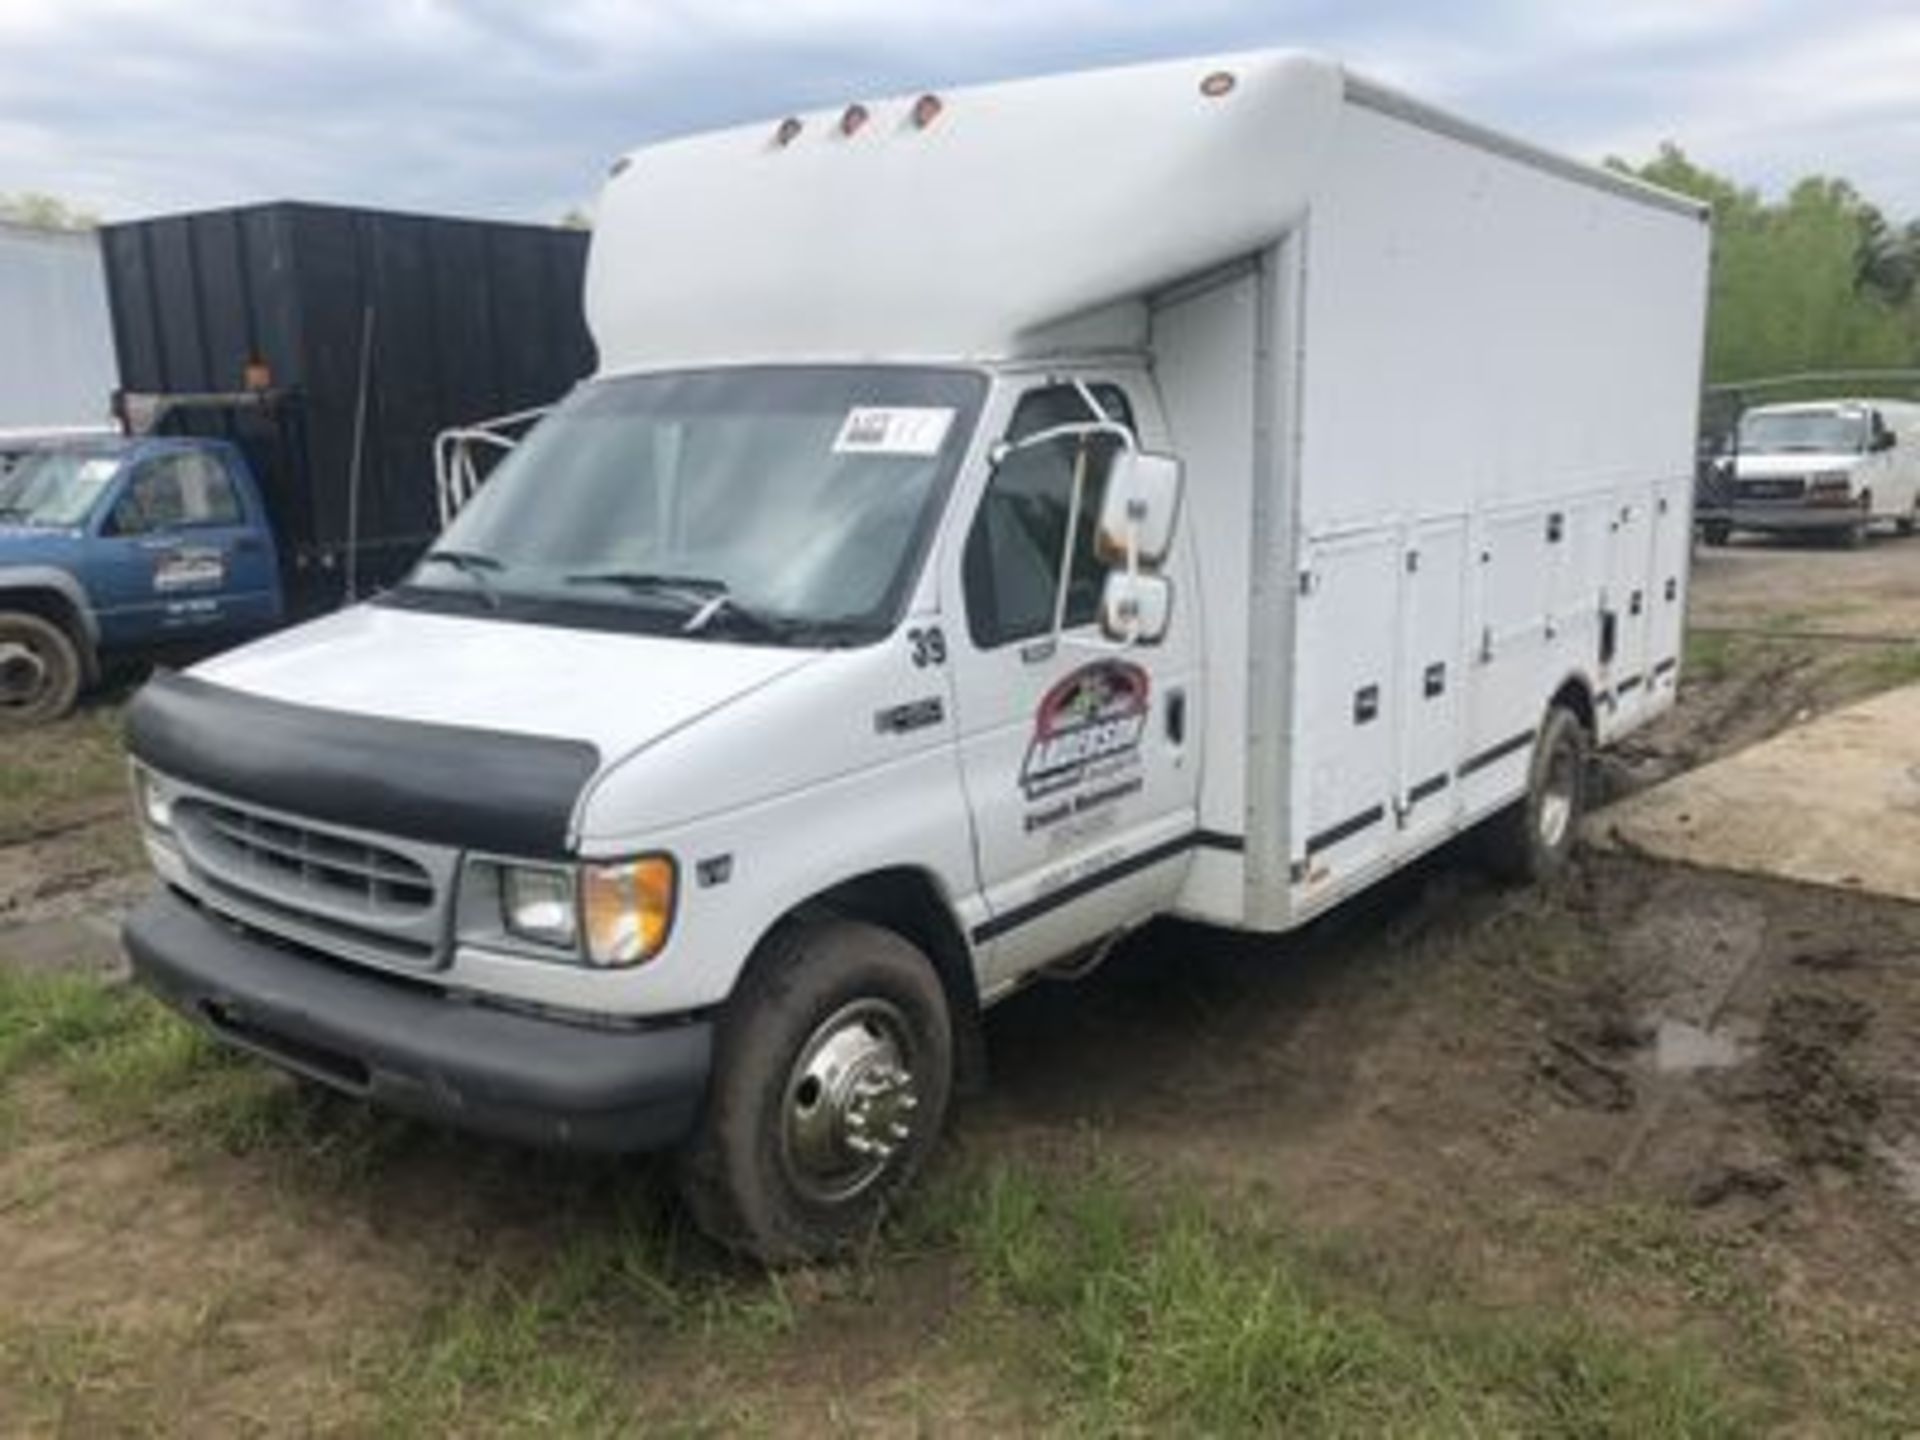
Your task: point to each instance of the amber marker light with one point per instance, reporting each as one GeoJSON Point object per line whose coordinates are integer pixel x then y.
{"type": "Point", "coordinates": [627, 908]}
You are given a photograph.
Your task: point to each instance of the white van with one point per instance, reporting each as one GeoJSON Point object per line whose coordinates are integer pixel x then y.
{"type": "Point", "coordinates": [1001, 517]}
{"type": "Point", "coordinates": [1830, 466]}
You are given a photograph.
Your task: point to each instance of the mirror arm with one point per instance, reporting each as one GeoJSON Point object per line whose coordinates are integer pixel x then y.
{"type": "Point", "coordinates": [1101, 417]}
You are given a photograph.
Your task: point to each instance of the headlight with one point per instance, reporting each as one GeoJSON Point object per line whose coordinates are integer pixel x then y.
{"type": "Point", "coordinates": [538, 905]}
{"type": "Point", "coordinates": [627, 908]}
{"type": "Point", "coordinates": [154, 799]}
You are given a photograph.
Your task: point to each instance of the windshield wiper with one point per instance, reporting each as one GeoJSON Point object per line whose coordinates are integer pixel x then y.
{"type": "Point", "coordinates": [472, 564]}
{"type": "Point", "coordinates": [694, 592]}
{"type": "Point", "coordinates": [714, 608]}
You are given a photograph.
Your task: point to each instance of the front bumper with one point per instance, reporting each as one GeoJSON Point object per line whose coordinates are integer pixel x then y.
{"type": "Point", "coordinates": [413, 1048]}
{"type": "Point", "coordinates": [1782, 519]}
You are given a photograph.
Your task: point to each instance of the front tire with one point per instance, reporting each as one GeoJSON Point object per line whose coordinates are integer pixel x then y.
{"type": "Point", "coordinates": [1533, 839]}
{"type": "Point", "coordinates": [833, 1069]}
{"type": "Point", "coordinates": [40, 670]}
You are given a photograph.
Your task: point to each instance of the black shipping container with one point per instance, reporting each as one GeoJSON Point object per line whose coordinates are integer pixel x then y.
{"type": "Point", "coordinates": [469, 319]}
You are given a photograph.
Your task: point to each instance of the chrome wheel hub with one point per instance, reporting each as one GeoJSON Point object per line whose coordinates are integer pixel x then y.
{"type": "Point", "coordinates": [23, 674]}
{"type": "Point", "coordinates": [850, 1102]}
{"type": "Point", "coordinates": [1557, 798]}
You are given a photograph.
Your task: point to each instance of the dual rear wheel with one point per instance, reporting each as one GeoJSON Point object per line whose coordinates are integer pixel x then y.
{"type": "Point", "coordinates": [1533, 839]}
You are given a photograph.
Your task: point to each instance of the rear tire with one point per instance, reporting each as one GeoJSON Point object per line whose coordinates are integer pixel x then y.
{"type": "Point", "coordinates": [833, 1067]}
{"type": "Point", "coordinates": [40, 670]}
{"type": "Point", "coordinates": [1533, 838]}
{"type": "Point", "coordinates": [1716, 533]}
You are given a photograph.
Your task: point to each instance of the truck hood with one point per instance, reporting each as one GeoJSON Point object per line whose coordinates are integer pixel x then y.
{"type": "Point", "coordinates": [1792, 463]}
{"type": "Point", "coordinates": [616, 692]}
{"type": "Point", "coordinates": [25, 544]}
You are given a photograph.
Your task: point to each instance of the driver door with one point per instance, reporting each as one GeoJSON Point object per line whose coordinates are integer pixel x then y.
{"type": "Point", "coordinates": [1077, 756]}
{"type": "Point", "coordinates": [174, 551]}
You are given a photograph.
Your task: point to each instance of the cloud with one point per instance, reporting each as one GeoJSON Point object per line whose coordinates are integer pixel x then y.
{"type": "Point", "coordinates": [505, 108]}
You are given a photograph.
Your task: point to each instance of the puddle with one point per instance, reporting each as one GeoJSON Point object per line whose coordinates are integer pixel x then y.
{"type": "Point", "coordinates": [1680, 1047]}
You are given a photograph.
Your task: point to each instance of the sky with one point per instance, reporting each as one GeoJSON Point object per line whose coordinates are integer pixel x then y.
{"type": "Point", "coordinates": [514, 108]}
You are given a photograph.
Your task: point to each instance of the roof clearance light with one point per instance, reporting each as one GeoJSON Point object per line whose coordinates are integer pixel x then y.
{"type": "Point", "coordinates": [852, 119]}
{"type": "Point", "coordinates": [1219, 83]}
{"type": "Point", "coordinates": [926, 110]}
{"type": "Point", "coordinates": [788, 132]}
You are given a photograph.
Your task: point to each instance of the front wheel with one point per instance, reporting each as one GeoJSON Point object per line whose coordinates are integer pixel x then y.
{"type": "Point", "coordinates": [832, 1071]}
{"type": "Point", "coordinates": [1534, 837]}
{"type": "Point", "coordinates": [39, 670]}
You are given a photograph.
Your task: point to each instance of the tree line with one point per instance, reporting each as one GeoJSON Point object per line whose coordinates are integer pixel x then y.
{"type": "Point", "coordinates": [1822, 279]}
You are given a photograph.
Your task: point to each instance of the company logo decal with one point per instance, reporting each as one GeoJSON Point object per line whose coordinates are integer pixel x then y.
{"type": "Point", "coordinates": [1088, 728]}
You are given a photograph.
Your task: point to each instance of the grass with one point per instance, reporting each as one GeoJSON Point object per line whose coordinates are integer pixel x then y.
{"type": "Point", "coordinates": [1187, 1321]}
{"type": "Point", "coordinates": [61, 1017]}
{"type": "Point", "coordinates": [1886, 667]}
{"type": "Point", "coordinates": [54, 773]}
{"type": "Point", "coordinates": [1709, 656]}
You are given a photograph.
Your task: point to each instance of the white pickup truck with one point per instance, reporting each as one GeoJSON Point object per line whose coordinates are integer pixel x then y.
{"type": "Point", "coordinates": [1000, 517]}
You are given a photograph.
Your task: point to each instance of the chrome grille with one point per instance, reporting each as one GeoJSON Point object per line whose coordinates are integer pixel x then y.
{"type": "Point", "coordinates": [338, 891]}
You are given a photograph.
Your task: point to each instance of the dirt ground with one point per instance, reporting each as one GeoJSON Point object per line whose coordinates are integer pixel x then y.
{"type": "Point", "coordinates": [1674, 1103]}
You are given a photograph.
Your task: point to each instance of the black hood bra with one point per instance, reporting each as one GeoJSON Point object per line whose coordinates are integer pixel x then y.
{"type": "Point", "coordinates": [511, 795]}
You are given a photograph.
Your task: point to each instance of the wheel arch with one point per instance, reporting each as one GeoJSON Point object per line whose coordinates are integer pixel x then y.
{"type": "Point", "coordinates": [57, 598]}
{"type": "Point", "coordinates": [1575, 694]}
{"type": "Point", "coordinates": [912, 903]}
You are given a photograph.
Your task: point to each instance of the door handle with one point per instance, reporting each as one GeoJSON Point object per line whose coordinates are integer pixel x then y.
{"type": "Point", "coordinates": [1176, 716]}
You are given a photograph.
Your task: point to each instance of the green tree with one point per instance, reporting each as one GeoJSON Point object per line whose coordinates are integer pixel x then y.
{"type": "Point", "coordinates": [1820, 280]}
{"type": "Point", "coordinates": [47, 212]}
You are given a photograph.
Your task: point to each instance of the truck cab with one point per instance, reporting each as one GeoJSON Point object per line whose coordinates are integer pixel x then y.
{"type": "Point", "coordinates": [113, 546]}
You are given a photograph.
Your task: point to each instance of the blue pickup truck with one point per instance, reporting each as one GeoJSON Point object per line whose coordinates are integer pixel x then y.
{"type": "Point", "coordinates": [113, 546]}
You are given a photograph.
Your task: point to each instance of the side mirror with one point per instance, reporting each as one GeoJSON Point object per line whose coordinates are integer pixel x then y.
{"type": "Point", "coordinates": [1141, 505]}
{"type": "Point", "coordinates": [1135, 608]}
{"type": "Point", "coordinates": [1884, 440]}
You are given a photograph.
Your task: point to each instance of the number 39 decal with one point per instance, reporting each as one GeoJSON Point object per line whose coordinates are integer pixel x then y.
{"type": "Point", "coordinates": [929, 646]}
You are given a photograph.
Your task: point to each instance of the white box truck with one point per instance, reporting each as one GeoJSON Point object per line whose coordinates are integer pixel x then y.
{"type": "Point", "coordinates": [1000, 517]}
{"type": "Point", "coordinates": [1827, 467]}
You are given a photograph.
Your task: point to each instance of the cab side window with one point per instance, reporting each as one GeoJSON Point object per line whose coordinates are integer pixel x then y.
{"type": "Point", "coordinates": [1011, 566]}
{"type": "Point", "coordinates": [171, 492]}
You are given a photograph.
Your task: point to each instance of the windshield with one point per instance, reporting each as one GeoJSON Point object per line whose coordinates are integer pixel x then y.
{"type": "Point", "coordinates": [55, 488]}
{"type": "Point", "coordinates": [755, 503]}
{"type": "Point", "coordinates": [1783, 432]}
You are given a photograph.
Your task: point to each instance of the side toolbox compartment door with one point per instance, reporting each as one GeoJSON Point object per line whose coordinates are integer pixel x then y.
{"type": "Point", "coordinates": [1667, 602]}
{"type": "Point", "coordinates": [1629, 596]}
{"type": "Point", "coordinates": [1512, 589]}
{"type": "Point", "coordinates": [1348, 668]}
{"type": "Point", "coordinates": [1431, 675]}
